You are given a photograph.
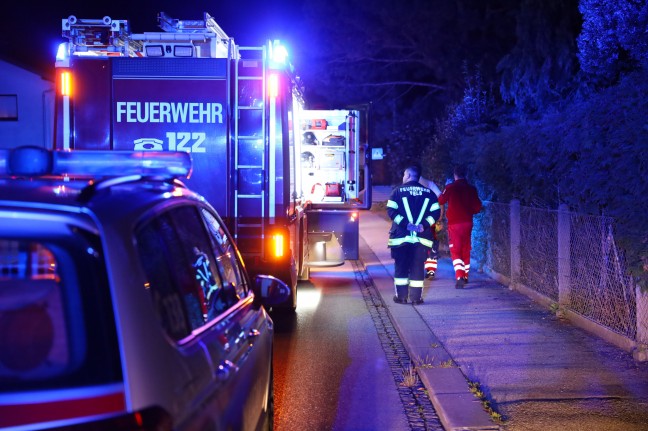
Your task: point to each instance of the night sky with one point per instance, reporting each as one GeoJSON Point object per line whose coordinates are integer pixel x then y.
{"type": "Point", "coordinates": [31, 30]}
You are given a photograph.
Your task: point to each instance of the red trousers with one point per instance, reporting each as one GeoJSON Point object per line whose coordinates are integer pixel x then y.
{"type": "Point", "coordinates": [460, 246]}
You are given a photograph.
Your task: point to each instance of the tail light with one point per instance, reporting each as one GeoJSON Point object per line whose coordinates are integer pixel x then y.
{"type": "Point", "coordinates": [65, 83]}
{"type": "Point", "coordinates": [278, 241]}
{"type": "Point", "coordinates": [277, 244]}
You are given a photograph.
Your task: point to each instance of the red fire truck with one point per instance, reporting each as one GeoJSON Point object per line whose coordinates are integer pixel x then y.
{"type": "Point", "coordinates": [288, 181]}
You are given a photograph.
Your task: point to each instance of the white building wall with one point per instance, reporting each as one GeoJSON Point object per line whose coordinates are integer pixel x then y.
{"type": "Point", "coordinates": [35, 95]}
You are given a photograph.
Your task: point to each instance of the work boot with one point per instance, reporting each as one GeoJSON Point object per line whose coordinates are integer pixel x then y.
{"type": "Point", "coordinates": [460, 283]}
{"type": "Point", "coordinates": [401, 294]}
{"type": "Point", "coordinates": [429, 274]}
{"type": "Point", "coordinates": [415, 295]}
{"type": "Point", "coordinates": [397, 300]}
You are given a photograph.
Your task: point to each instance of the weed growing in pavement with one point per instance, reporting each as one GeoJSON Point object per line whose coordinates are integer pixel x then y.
{"type": "Point", "coordinates": [410, 378]}
{"type": "Point", "coordinates": [477, 392]}
{"type": "Point", "coordinates": [426, 362]}
{"type": "Point", "coordinates": [448, 364]}
{"type": "Point", "coordinates": [556, 309]}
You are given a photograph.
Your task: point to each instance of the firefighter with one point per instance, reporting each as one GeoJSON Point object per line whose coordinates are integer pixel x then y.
{"type": "Point", "coordinates": [463, 204]}
{"type": "Point", "coordinates": [413, 209]}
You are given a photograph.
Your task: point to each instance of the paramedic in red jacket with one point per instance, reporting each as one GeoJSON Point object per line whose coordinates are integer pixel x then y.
{"type": "Point", "coordinates": [463, 203]}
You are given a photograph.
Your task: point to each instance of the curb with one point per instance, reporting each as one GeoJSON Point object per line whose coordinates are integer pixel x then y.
{"type": "Point", "coordinates": [457, 407]}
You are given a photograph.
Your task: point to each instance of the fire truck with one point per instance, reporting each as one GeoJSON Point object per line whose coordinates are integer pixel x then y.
{"type": "Point", "coordinates": [288, 181]}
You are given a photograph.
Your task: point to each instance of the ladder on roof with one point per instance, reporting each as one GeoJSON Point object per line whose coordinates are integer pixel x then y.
{"type": "Point", "coordinates": [203, 26]}
{"type": "Point", "coordinates": [252, 166]}
{"type": "Point", "coordinates": [103, 36]}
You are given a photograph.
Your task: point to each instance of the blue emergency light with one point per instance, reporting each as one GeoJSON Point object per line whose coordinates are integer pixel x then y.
{"type": "Point", "coordinates": [32, 161]}
{"type": "Point", "coordinates": [278, 56]}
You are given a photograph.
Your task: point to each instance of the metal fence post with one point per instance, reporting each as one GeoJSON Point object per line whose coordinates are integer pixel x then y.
{"type": "Point", "coordinates": [515, 243]}
{"type": "Point", "coordinates": [564, 256]}
{"type": "Point", "coordinates": [641, 351]}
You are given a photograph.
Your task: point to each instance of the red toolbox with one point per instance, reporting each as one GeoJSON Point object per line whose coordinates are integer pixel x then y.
{"type": "Point", "coordinates": [333, 189]}
{"type": "Point", "coordinates": [318, 124]}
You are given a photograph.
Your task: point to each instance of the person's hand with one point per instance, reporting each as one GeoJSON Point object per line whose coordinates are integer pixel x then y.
{"type": "Point", "coordinates": [438, 226]}
{"type": "Point", "coordinates": [415, 227]}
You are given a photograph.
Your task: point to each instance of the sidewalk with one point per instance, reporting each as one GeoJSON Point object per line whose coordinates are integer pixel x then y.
{"type": "Point", "coordinates": [539, 372]}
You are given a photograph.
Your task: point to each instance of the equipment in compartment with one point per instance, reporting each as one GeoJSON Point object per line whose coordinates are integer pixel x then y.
{"type": "Point", "coordinates": [334, 141]}
{"type": "Point", "coordinates": [331, 159]}
{"type": "Point", "coordinates": [333, 189]}
{"type": "Point", "coordinates": [308, 159]}
{"type": "Point", "coordinates": [309, 138]}
{"type": "Point", "coordinates": [318, 124]}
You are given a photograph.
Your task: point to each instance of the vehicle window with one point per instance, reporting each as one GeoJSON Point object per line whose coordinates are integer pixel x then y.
{"type": "Point", "coordinates": [56, 324]}
{"type": "Point", "coordinates": [226, 256]}
{"type": "Point", "coordinates": [183, 278]}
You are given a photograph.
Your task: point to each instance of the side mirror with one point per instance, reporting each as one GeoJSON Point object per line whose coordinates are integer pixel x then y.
{"type": "Point", "coordinates": [270, 290]}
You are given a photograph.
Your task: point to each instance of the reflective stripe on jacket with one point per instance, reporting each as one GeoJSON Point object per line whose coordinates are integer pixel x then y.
{"type": "Point", "coordinates": [412, 203]}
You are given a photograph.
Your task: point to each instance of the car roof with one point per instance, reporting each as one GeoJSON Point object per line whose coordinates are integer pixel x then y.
{"type": "Point", "coordinates": [38, 179]}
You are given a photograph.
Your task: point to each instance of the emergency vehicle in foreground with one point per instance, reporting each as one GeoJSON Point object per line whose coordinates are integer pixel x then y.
{"type": "Point", "coordinates": [287, 181]}
{"type": "Point", "coordinates": [124, 303]}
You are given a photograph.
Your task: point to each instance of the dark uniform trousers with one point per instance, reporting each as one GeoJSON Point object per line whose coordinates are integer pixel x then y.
{"type": "Point", "coordinates": [409, 270]}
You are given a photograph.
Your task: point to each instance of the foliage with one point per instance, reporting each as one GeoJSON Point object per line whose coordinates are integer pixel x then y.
{"type": "Point", "coordinates": [613, 39]}
{"type": "Point", "coordinates": [587, 155]}
{"type": "Point", "coordinates": [579, 150]}
{"type": "Point", "coordinates": [477, 104]}
{"type": "Point", "coordinates": [540, 69]}
{"type": "Point", "coordinates": [403, 148]}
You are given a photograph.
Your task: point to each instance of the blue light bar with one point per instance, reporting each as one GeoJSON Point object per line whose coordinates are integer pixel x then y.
{"type": "Point", "coordinates": [32, 161]}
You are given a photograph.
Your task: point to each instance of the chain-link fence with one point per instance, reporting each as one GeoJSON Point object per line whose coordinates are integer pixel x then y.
{"type": "Point", "coordinates": [587, 277]}
{"type": "Point", "coordinates": [492, 237]}
{"type": "Point", "coordinates": [539, 251]}
{"type": "Point", "coordinates": [600, 289]}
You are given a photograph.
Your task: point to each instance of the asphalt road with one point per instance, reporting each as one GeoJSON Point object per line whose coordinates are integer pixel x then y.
{"type": "Point", "coordinates": [330, 369]}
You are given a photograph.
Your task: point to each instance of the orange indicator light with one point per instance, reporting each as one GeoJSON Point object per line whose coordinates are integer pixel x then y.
{"type": "Point", "coordinates": [66, 84]}
{"type": "Point", "coordinates": [278, 240]}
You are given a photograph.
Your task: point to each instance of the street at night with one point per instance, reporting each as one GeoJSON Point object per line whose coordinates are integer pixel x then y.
{"type": "Point", "coordinates": [324, 215]}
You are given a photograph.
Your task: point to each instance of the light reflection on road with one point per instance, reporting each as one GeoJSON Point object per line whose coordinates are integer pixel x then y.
{"type": "Point", "coordinates": [308, 299]}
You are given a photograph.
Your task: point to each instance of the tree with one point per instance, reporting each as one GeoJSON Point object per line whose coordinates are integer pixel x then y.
{"type": "Point", "coordinates": [613, 40]}
{"type": "Point", "coordinates": [542, 66]}
{"type": "Point", "coordinates": [406, 57]}
{"type": "Point", "coordinates": [416, 47]}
